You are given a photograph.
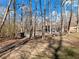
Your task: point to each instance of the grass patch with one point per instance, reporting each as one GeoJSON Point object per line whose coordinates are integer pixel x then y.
{"type": "Point", "coordinates": [69, 53]}
{"type": "Point", "coordinates": [65, 53]}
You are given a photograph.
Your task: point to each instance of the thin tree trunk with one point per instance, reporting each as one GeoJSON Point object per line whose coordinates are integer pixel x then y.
{"type": "Point", "coordinates": [21, 20]}
{"type": "Point", "coordinates": [35, 18]}
{"type": "Point", "coordinates": [61, 21]}
{"type": "Point", "coordinates": [14, 7]}
{"type": "Point", "coordinates": [50, 11]}
{"type": "Point", "coordinates": [42, 18]}
{"type": "Point", "coordinates": [69, 23]}
{"type": "Point", "coordinates": [9, 26]}
{"type": "Point", "coordinates": [31, 27]}
{"type": "Point", "coordinates": [77, 29]}
{"type": "Point", "coordinates": [43, 25]}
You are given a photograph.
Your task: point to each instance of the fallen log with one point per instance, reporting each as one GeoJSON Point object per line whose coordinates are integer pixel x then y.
{"type": "Point", "coordinates": [13, 45]}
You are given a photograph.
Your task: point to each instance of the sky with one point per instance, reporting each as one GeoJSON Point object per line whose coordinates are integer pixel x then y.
{"type": "Point", "coordinates": [55, 6]}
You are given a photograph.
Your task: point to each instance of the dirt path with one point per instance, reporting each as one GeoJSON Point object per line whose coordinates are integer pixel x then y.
{"type": "Point", "coordinates": [34, 47]}
{"type": "Point", "coordinates": [29, 50]}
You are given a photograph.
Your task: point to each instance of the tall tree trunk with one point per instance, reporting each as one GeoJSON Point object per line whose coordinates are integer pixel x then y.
{"type": "Point", "coordinates": [43, 24]}
{"type": "Point", "coordinates": [35, 18]}
{"type": "Point", "coordinates": [77, 29]}
{"type": "Point", "coordinates": [61, 21]}
{"type": "Point", "coordinates": [9, 26]}
{"type": "Point", "coordinates": [21, 20]}
{"type": "Point", "coordinates": [50, 15]}
{"type": "Point", "coordinates": [69, 23]}
{"type": "Point", "coordinates": [42, 17]}
{"type": "Point", "coordinates": [31, 27]}
{"type": "Point", "coordinates": [14, 7]}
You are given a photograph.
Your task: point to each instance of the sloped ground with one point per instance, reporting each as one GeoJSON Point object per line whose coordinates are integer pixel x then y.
{"type": "Point", "coordinates": [48, 48]}
{"type": "Point", "coordinates": [29, 50]}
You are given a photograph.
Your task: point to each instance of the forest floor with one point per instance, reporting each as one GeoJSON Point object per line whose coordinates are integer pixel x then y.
{"type": "Point", "coordinates": [46, 49]}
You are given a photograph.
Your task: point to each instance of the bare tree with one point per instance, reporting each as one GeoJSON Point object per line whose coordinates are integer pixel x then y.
{"type": "Point", "coordinates": [50, 15]}
{"type": "Point", "coordinates": [41, 14]}
{"type": "Point", "coordinates": [62, 15]}
{"type": "Point", "coordinates": [61, 21]}
{"type": "Point", "coordinates": [35, 18]}
{"type": "Point", "coordinates": [14, 7]}
{"type": "Point", "coordinates": [31, 27]}
{"type": "Point", "coordinates": [77, 17]}
{"type": "Point", "coordinates": [5, 15]}
{"type": "Point", "coordinates": [9, 23]}
{"type": "Point", "coordinates": [21, 19]}
{"type": "Point", "coordinates": [43, 24]}
{"type": "Point", "coordinates": [70, 18]}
